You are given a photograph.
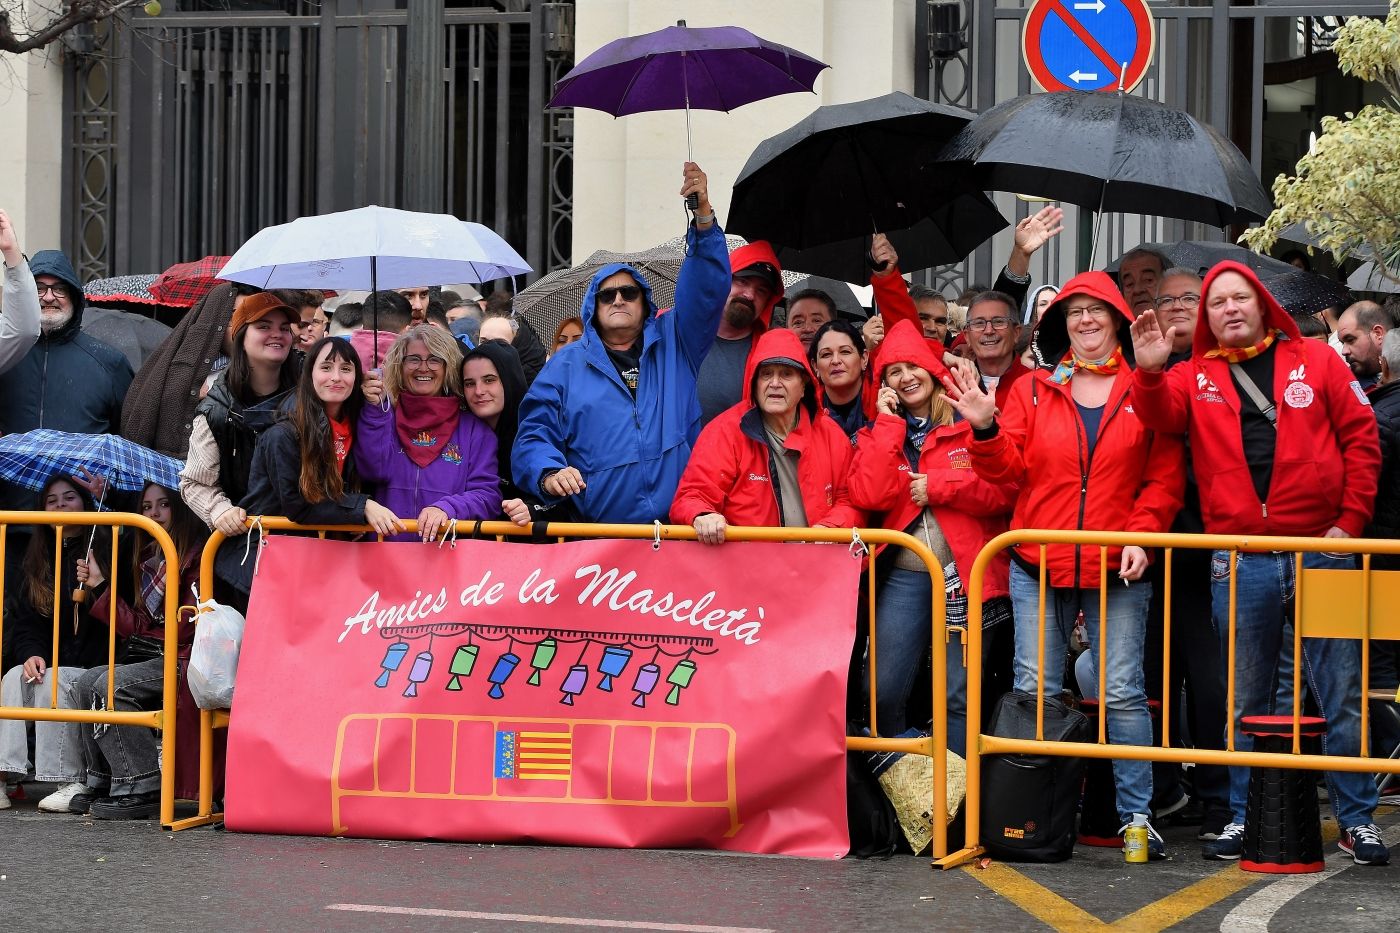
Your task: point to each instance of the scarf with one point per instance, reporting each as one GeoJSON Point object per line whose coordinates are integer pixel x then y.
{"type": "Point", "coordinates": [1071, 362]}
{"type": "Point", "coordinates": [1240, 354]}
{"type": "Point", "coordinates": [850, 416]}
{"type": "Point", "coordinates": [915, 433]}
{"type": "Point", "coordinates": [342, 438]}
{"type": "Point", "coordinates": [153, 584]}
{"type": "Point", "coordinates": [425, 424]}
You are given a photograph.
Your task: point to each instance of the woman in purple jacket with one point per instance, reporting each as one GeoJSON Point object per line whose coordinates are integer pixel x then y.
{"type": "Point", "coordinates": [425, 453]}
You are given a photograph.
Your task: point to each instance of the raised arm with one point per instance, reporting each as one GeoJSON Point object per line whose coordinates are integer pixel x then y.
{"type": "Point", "coordinates": [703, 284]}
{"type": "Point", "coordinates": [19, 324]}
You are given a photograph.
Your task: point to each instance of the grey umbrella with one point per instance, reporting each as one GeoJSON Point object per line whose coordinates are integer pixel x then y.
{"type": "Point", "coordinates": [847, 305]}
{"type": "Point", "coordinates": [135, 335]}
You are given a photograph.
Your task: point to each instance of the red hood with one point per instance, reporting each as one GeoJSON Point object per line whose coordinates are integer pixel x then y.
{"type": "Point", "coordinates": [1051, 334]}
{"type": "Point", "coordinates": [782, 343]}
{"type": "Point", "coordinates": [1274, 314]}
{"type": "Point", "coordinates": [760, 251]}
{"type": "Point", "coordinates": [904, 343]}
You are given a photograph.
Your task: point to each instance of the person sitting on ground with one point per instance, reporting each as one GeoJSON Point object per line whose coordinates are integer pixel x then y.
{"type": "Point", "coordinates": [1073, 442]}
{"type": "Point", "coordinates": [911, 468]}
{"type": "Point", "coordinates": [82, 643]}
{"type": "Point", "coordinates": [772, 460]}
{"type": "Point", "coordinates": [123, 762]}
{"type": "Point", "coordinates": [493, 383]}
{"type": "Point", "coordinates": [839, 357]}
{"type": "Point", "coordinates": [610, 422]}
{"type": "Point", "coordinates": [425, 455]}
{"type": "Point", "coordinates": [569, 330]}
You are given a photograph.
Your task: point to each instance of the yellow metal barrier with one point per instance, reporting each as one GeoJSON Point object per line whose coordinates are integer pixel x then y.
{"type": "Point", "coordinates": [163, 718]}
{"type": "Point", "coordinates": [932, 747]}
{"type": "Point", "coordinates": [1327, 604]}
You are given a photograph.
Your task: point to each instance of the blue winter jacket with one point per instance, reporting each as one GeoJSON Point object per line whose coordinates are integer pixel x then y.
{"type": "Point", "coordinates": [580, 413]}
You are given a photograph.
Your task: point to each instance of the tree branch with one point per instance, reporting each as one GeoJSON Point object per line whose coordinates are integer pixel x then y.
{"type": "Point", "coordinates": [78, 13]}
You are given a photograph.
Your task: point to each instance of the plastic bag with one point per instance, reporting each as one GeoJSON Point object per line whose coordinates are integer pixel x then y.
{"type": "Point", "coordinates": [214, 658]}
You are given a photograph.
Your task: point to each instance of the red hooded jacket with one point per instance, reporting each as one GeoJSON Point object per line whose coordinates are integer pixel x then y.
{"type": "Point", "coordinates": [1132, 479]}
{"type": "Point", "coordinates": [1326, 455]}
{"type": "Point", "coordinates": [970, 510]}
{"type": "Point", "coordinates": [730, 470]}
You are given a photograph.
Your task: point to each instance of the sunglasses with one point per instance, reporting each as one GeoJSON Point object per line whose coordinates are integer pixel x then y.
{"type": "Point", "coordinates": [607, 296]}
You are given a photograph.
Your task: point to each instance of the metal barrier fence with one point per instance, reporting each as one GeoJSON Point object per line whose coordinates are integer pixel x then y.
{"type": "Point", "coordinates": [861, 538]}
{"type": "Point", "coordinates": [163, 718]}
{"type": "Point", "coordinates": [1327, 604]}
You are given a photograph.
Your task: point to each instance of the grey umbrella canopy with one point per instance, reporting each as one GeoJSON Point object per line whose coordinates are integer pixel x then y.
{"type": "Point", "coordinates": [1200, 255]}
{"type": "Point", "coordinates": [1110, 152]}
{"type": "Point", "coordinates": [135, 335]}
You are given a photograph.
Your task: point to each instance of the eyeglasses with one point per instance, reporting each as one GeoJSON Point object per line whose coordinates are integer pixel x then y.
{"type": "Point", "coordinates": [989, 323]}
{"type": "Point", "coordinates": [414, 361]}
{"type": "Point", "coordinates": [1187, 301]}
{"type": "Point", "coordinates": [1097, 312]}
{"type": "Point", "coordinates": [607, 296]}
{"type": "Point", "coordinates": [57, 290]}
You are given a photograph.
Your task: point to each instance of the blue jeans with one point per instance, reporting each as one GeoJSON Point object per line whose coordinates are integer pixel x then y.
{"type": "Point", "coordinates": [1331, 667]}
{"type": "Point", "coordinates": [1129, 721]}
{"type": "Point", "coordinates": [903, 631]}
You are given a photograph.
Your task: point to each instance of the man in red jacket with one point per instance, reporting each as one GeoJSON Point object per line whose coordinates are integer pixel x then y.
{"type": "Point", "coordinates": [774, 459]}
{"type": "Point", "coordinates": [1284, 443]}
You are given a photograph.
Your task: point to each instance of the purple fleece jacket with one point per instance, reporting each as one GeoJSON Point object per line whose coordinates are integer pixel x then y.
{"type": "Point", "coordinates": [462, 481]}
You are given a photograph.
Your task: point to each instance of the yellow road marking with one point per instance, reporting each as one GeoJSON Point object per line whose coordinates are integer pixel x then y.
{"type": "Point", "coordinates": [1062, 915]}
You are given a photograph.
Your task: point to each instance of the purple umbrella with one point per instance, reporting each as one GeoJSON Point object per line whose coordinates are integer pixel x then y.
{"type": "Point", "coordinates": [675, 68]}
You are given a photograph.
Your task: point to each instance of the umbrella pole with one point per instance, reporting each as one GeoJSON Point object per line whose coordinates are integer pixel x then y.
{"type": "Point", "coordinates": [692, 201]}
{"type": "Point", "coordinates": [374, 307]}
{"type": "Point", "coordinates": [80, 594]}
{"type": "Point", "coordinates": [1098, 224]}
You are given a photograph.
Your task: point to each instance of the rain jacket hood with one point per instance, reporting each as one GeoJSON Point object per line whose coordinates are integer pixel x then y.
{"type": "Point", "coordinates": [589, 311]}
{"type": "Point", "coordinates": [1052, 332]}
{"type": "Point", "coordinates": [782, 344]}
{"type": "Point", "coordinates": [507, 362]}
{"type": "Point", "coordinates": [1275, 317]}
{"type": "Point", "coordinates": [904, 343]}
{"type": "Point", "coordinates": [53, 262]}
{"type": "Point", "coordinates": [759, 251]}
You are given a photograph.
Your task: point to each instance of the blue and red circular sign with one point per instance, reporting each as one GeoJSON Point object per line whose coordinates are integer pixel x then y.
{"type": "Point", "coordinates": [1088, 45]}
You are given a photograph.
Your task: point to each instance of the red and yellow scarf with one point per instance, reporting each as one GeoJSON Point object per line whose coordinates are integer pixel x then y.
{"type": "Point", "coordinates": [1071, 362]}
{"type": "Point", "coordinates": [1240, 354]}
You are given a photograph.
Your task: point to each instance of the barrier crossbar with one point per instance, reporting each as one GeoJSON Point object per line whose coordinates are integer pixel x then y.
{"type": "Point", "coordinates": [859, 540]}
{"type": "Point", "coordinates": [1327, 604]}
{"type": "Point", "coordinates": [163, 718]}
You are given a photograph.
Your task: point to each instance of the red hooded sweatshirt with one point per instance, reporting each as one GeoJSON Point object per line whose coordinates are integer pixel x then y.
{"type": "Point", "coordinates": [1131, 480]}
{"type": "Point", "coordinates": [970, 510]}
{"type": "Point", "coordinates": [1326, 454]}
{"type": "Point", "coordinates": [730, 469]}
{"type": "Point", "coordinates": [760, 251]}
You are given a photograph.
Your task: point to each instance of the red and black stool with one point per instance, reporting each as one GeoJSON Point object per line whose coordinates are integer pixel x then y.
{"type": "Point", "coordinates": [1282, 829]}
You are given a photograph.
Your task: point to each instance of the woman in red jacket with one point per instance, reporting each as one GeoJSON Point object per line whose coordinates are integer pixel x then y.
{"type": "Point", "coordinates": [772, 460]}
{"type": "Point", "coordinates": [912, 466]}
{"type": "Point", "coordinates": [1071, 439]}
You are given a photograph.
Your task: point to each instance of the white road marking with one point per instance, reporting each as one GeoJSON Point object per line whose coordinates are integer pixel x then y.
{"type": "Point", "coordinates": [1252, 915]}
{"type": "Point", "coordinates": [537, 918]}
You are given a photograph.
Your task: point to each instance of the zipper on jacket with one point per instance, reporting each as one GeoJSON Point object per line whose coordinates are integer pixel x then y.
{"type": "Point", "coordinates": [43, 383]}
{"type": "Point", "coordinates": [1265, 506]}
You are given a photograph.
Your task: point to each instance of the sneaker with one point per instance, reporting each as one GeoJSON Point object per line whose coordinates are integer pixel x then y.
{"type": "Point", "coordinates": [1227, 847]}
{"type": "Point", "coordinates": [82, 803]}
{"type": "Point", "coordinates": [58, 801]}
{"type": "Point", "coordinates": [1156, 846]}
{"type": "Point", "coordinates": [4, 798]}
{"type": "Point", "coordinates": [1363, 843]}
{"type": "Point", "coordinates": [1160, 813]}
{"type": "Point", "coordinates": [127, 807]}
{"type": "Point", "coordinates": [1212, 825]}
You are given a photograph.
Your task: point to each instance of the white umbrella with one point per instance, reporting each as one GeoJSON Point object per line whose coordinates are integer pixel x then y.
{"type": "Point", "coordinates": [1371, 277]}
{"type": "Point", "coordinates": [373, 247]}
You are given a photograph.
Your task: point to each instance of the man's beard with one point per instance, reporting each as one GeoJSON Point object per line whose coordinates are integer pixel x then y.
{"type": "Point", "coordinates": [739, 313]}
{"type": "Point", "coordinates": [52, 319]}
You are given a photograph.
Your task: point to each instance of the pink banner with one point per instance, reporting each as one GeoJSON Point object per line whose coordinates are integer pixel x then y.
{"type": "Point", "coordinates": [590, 693]}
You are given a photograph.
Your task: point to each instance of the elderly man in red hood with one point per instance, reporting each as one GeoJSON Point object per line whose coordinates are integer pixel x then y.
{"type": "Point", "coordinates": [773, 459]}
{"type": "Point", "coordinates": [1284, 443]}
{"type": "Point", "coordinates": [756, 288]}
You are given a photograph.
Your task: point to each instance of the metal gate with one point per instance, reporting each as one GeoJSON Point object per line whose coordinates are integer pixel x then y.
{"type": "Point", "coordinates": [189, 132]}
{"type": "Point", "coordinates": [1210, 62]}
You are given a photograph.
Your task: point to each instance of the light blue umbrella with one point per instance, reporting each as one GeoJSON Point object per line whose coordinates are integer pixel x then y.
{"type": "Point", "coordinates": [29, 459]}
{"type": "Point", "coordinates": [373, 247]}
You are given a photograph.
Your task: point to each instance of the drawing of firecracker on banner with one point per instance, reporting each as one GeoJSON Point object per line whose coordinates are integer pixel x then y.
{"type": "Point", "coordinates": [617, 650]}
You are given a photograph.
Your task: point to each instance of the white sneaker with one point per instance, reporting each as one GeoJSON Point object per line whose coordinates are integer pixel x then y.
{"type": "Point", "coordinates": [4, 796]}
{"type": "Point", "coordinates": [57, 802]}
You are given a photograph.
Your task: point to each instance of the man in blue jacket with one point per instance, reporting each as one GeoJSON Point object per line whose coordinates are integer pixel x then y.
{"type": "Point", "coordinates": [609, 423]}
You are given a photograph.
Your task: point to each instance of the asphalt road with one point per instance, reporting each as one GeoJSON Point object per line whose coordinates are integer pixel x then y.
{"type": "Point", "coordinates": [71, 873]}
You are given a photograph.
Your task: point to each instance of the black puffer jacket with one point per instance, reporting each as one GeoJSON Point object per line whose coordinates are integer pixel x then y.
{"type": "Point", "coordinates": [1385, 521]}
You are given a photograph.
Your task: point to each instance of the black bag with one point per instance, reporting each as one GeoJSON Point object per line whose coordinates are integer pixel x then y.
{"type": "Point", "coordinates": [870, 816]}
{"type": "Point", "coordinates": [1029, 801]}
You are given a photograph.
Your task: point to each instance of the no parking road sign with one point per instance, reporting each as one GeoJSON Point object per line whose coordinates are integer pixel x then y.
{"type": "Point", "coordinates": [1087, 44]}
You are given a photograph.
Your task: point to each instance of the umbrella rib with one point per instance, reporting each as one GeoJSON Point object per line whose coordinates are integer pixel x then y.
{"type": "Point", "coordinates": [631, 83]}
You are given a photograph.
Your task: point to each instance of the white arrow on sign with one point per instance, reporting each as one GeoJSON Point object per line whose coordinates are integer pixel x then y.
{"type": "Point", "coordinates": [1077, 76]}
{"type": "Point", "coordinates": [1096, 6]}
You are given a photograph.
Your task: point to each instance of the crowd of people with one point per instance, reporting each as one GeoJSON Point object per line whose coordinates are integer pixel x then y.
{"type": "Point", "coordinates": [1151, 402]}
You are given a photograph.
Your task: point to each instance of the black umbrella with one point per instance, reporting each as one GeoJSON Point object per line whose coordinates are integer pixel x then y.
{"type": "Point", "coordinates": [1304, 292]}
{"type": "Point", "coordinates": [1200, 255]}
{"type": "Point", "coordinates": [818, 190]}
{"type": "Point", "coordinates": [1110, 152]}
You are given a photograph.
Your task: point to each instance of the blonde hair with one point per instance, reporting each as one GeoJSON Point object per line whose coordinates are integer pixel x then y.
{"type": "Point", "coordinates": [957, 318]}
{"type": "Point", "coordinates": [440, 343]}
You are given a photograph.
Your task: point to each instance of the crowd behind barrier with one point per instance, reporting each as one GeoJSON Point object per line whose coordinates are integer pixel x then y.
{"type": "Point", "coordinates": [1110, 411]}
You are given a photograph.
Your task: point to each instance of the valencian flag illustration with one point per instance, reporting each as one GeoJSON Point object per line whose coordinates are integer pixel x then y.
{"type": "Point", "coordinates": [601, 693]}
